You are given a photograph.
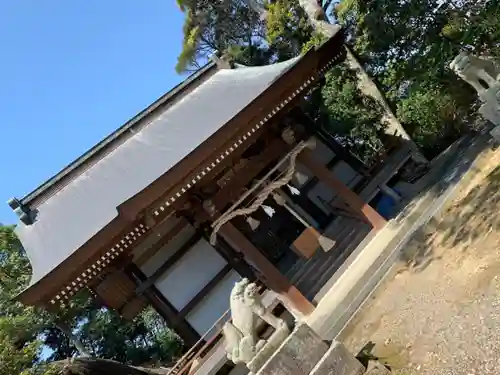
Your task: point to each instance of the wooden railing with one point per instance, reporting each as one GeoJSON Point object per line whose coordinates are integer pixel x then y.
{"type": "Point", "coordinates": [202, 346]}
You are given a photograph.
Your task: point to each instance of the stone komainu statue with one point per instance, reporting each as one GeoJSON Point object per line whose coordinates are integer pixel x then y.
{"type": "Point", "coordinates": [480, 73]}
{"type": "Point", "coordinates": [242, 341]}
{"type": "Point", "coordinates": [483, 74]}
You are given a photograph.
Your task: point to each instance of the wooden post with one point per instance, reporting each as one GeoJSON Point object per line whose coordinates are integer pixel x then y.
{"type": "Point", "coordinates": [291, 297]}
{"type": "Point", "coordinates": [352, 199]}
{"type": "Point", "coordinates": [168, 312]}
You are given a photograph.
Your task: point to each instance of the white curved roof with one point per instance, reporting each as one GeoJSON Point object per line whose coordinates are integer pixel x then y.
{"type": "Point", "coordinates": [73, 215]}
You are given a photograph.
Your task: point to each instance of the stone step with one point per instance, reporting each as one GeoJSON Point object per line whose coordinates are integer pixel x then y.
{"type": "Point", "coordinates": [303, 352]}
{"type": "Point", "coordinates": [297, 355]}
{"type": "Point", "coordinates": [290, 275]}
{"type": "Point", "coordinates": [339, 361]}
{"type": "Point", "coordinates": [323, 259]}
{"type": "Point", "coordinates": [333, 267]}
{"type": "Point", "coordinates": [331, 262]}
{"type": "Point", "coordinates": [306, 267]}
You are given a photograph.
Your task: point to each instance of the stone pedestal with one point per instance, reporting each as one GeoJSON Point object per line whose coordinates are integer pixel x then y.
{"type": "Point", "coordinates": [490, 110]}
{"type": "Point", "coordinates": [338, 360]}
{"type": "Point", "coordinates": [304, 353]}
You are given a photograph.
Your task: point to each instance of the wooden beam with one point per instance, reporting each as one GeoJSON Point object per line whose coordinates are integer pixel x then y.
{"type": "Point", "coordinates": [309, 185]}
{"type": "Point", "coordinates": [232, 190]}
{"type": "Point", "coordinates": [166, 310]}
{"type": "Point", "coordinates": [351, 198]}
{"type": "Point", "coordinates": [292, 298]}
{"type": "Point", "coordinates": [168, 263]}
{"type": "Point", "coordinates": [205, 290]}
{"type": "Point", "coordinates": [342, 153]}
{"type": "Point", "coordinates": [235, 259]}
{"type": "Point", "coordinates": [150, 252]}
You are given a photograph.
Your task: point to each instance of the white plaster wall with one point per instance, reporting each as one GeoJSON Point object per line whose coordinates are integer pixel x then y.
{"type": "Point", "coordinates": [214, 305]}
{"type": "Point", "coordinates": [322, 192]}
{"type": "Point", "coordinates": [161, 256]}
{"type": "Point", "coordinates": [346, 174]}
{"type": "Point", "coordinates": [321, 153]}
{"type": "Point", "coordinates": [187, 277]}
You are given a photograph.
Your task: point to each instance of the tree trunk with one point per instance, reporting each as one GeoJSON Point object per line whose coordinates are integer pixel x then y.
{"type": "Point", "coordinates": [73, 339]}
{"type": "Point", "coordinates": [370, 89]}
{"type": "Point", "coordinates": [319, 22]}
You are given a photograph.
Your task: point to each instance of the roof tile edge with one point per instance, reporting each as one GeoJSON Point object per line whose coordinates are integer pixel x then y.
{"type": "Point", "coordinates": [118, 135]}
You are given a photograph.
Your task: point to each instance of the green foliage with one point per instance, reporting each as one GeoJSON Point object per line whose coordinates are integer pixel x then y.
{"type": "Point", "coordinates": [143, 340]}
{"type": "Point", "coordinates": [433, 115]}
{"type": "Point", "coordinates": [404, 45]}
{"type": "Point", "coordinates": [476, 24]}
{"type": "Point", "coordinates": [15, 359]}
{"type": "Point", "coordinates": [315, 41]}
{"type": "Point", "coordinates": [407, 46]}
{"type": "Point", "coordinates": [215, 26]}
{"type": "Point", "coordinates": [19, 343]}
{"type": "Point", "coordinates": [353, 117]}
{"type": "Point", "coordinates": [29, 337]}
{"type": "Point", "coordinates": [287, 27]}
{"type": "Point", "coordinates": [191, 35]}
{"type": "Point", "coordinates": [233, 27]}
{"type": "Point", "coordinates": [252, 55]}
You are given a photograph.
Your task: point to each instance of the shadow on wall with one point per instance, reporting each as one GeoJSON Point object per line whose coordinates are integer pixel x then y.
{"type": "Point", "coordinates": [468, 220]}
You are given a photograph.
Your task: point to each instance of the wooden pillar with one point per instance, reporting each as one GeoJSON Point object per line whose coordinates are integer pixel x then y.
{"type": "Point", "coordinates": [291, 297]}
{"type": "Point", "coordinates": [352, 199]}
{"type": "Point", "coordinates": [235, 259]}
{"type": "Point", "coordinates": [165, 308]}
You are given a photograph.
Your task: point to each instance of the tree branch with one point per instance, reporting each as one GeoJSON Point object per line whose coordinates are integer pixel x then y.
{"type": "Point", "coordinates": [258, 8]}
{"type": "Point", "coordinates": [66, 330]}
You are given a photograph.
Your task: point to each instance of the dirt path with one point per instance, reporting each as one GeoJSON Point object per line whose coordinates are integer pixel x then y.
{"type": "Point", "coordinates": [440, 314]}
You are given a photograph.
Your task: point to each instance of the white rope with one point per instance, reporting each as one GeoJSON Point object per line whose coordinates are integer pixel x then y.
{"type": "Point", "coordinates": [264, 194]}
{"type": "Point", "coordinates": [259, 183]}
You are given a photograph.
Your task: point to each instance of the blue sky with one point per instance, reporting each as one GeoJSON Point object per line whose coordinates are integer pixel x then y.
{"type": "Point", "coordinates": [71, 72]}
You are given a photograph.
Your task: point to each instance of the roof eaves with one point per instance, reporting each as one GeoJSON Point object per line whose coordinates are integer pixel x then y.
{"type": "Point", "coordinates": [116, 136]}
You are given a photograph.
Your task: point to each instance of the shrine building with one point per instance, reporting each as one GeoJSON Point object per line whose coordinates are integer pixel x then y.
{"type": "Point", "coordinates": [223, 177]}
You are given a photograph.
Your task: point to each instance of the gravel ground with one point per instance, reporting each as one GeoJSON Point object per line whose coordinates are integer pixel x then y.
{"type": "Point", "coordinates": [440, 314]}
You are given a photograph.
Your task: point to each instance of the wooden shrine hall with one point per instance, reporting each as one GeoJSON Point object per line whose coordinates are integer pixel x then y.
{"type": "Point", "coordinates": [221, 178]}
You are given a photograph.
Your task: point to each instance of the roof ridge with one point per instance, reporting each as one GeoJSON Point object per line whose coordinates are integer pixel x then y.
{"type": "Point", "coordinates": [108, 141]}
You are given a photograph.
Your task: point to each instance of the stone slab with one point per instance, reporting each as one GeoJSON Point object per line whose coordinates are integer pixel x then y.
{"type": "Point", "coordinates": [339, 361]}
{"type": "Point", "coordinates": [297, 355]}
{"type": "Point", "coordinates": [270, 347]}
{"type": "Point", "coordinates": [377, 368]}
